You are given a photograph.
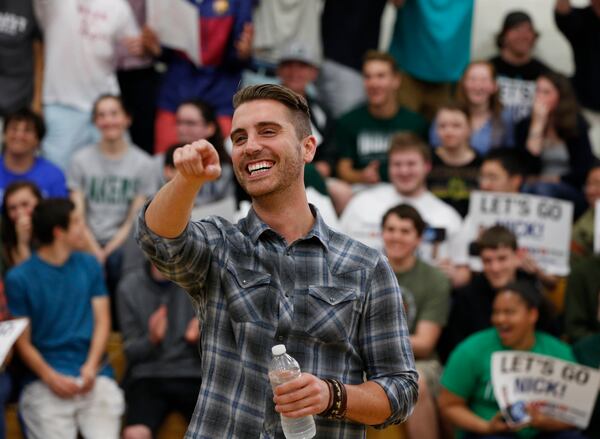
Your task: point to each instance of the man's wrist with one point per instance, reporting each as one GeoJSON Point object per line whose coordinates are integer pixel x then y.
{"type": "Point", "coordinates": [338, 400]}
{"type": "Point", "coordinates": [47, 375]}
{"type": "Point", "coordinates": [91, 364]}
{"type": "Point", "coordinates": [330, 399]}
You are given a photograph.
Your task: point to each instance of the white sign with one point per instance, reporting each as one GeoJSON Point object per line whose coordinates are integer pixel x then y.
{"type": "Point", "coordinates": [559, 389]}
{"type": "Point", "coordinates": [9, 332]}
{"type": "Point", "coordinates": [597, 227]}
{"type": "Point", "coordinates": [542, 224]}
{"type": "Point", "coordinates": [176, 22]}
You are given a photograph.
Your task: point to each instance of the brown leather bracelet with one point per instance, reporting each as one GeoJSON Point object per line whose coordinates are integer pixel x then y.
{"type": "Point", "coordinates": [339, 405]}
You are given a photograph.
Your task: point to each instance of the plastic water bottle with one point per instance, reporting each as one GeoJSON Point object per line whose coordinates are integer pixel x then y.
{"type": "Point", "coordinates": [284, 368]}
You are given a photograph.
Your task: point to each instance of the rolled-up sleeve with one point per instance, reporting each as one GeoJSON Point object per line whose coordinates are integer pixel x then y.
{"type": "Point", "coordinates": [185, 259]}
{"type": "Point", "coordinates": [385, 344]}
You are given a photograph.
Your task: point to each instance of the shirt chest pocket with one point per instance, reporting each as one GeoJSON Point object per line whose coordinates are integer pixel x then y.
{"type": "Point", "coordinates": [329, 314]}
{"type": "Point", "coordinates": [247, 293]}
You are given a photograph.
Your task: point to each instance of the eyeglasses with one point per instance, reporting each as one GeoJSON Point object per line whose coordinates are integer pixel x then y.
{"type": "Point", "coordinates": [188, 123]}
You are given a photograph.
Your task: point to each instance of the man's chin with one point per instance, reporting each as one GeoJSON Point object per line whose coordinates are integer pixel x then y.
{"type": "Point", "coordinates": [498, 284]}
{"type": "Point", "coordinates": [256, 191]}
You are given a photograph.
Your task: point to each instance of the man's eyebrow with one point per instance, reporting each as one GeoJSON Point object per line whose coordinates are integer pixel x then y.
{"type": "Point", "coordinates": [259, 125]}
{"type": "Point", "coordinates": [235, 132]}
{"type": "Point", "coordinates": [267, 123]}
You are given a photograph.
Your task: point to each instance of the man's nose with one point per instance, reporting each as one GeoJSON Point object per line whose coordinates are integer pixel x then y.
{"type": "Point", "coordinates": [252, 145]}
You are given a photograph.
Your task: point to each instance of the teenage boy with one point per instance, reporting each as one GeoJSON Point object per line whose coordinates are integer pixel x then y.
{"type": "Point", "coordinates": [409, 164]}
{"type": "Point", "coordinates": [63, 294]}
{"type": "Point", "coordinates": [426, 294]}
{"type": "Point", "coordinates": [363, 134]}
{"type": "Point", "coordinates": [472, 305]}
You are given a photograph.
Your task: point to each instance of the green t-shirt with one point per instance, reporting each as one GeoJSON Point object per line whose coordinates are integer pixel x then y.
{"type": "Point", "coordinates": [475, 356]}
{"type": "Point", "coordinates": [426, 295]}
{"type": "Point", "coordinates": [313, 179]}
{"type": "Point", "coordinates": [363, 138]}
{"type": "Point", "coordinates": [582, 299]}
{"type": "Point", "coordinates": [582, 236]}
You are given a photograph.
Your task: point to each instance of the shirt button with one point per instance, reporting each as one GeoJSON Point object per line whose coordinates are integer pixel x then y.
{"type": "Point", "coordinates": [280, 338]}
{"type": "Point", "coordinates": [244, 282]}
{"type": "Point", "coordinates": [332, 299]}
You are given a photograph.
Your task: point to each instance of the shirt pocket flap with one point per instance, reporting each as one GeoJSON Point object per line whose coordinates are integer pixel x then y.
{"type": "Point", "coordinates": [249, 278]}
{"type": "Point", "coordinates": [332, 295]}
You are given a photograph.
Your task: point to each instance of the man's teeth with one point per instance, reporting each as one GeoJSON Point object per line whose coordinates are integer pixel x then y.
{"type": "Point", "coordinates": [259, 166]}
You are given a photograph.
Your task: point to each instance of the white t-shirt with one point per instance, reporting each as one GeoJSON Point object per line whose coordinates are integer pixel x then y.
{"type": "Point", "coordinates": [80, 40]}
{"type": "Point", "coordinates": [361, 219]}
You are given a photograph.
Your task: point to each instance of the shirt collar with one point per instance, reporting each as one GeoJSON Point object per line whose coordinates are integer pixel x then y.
{"type": "Point", "coordinates": [256, 227]}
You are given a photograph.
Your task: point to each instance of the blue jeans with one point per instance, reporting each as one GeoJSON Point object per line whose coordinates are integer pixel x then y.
{"type": "Point", "coordinates": [69, 129]}
{"type": "Point", "coordinates": [5, 387]}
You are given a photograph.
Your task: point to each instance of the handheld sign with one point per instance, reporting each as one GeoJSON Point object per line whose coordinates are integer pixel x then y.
{"type": "Point", "coordinates": [560, 389]}
{"type": "Point", "coordinates": [176, 25]}
{"type": "Point", "coordinates": [9, 332]}
{"type": "Point", "coordinates": [542, 224]}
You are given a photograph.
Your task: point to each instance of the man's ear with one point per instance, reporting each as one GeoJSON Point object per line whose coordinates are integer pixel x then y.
{"type": "Point", "coordinates": [212, 128]}
{"type": "Point", "coordinates": [516, 182]}
{"type": "Point", "coordinates": [57, 232]}
{"type": "Point", "coordinates": [309, 146]}
{"type": "Point", "coordinates": [398, 77]}
{"type": "Point", "coordinates": [314, 74]}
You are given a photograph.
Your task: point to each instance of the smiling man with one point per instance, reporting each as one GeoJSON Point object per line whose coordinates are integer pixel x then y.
{"type": "Point", "coordinates": [280, 275]}
{"type": "Point", "coordinates": [409, 163]}
{"type": "Point", "coordinates": [363, 134]}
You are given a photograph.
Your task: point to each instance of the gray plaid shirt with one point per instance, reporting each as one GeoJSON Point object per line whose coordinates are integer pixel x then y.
{"type": "Point", "coordinates": [333, 302]}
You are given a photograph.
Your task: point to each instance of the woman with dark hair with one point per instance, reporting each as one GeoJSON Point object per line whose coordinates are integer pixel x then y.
{"type": "Point", "coordinates": [467, 400]}
{"type": "Point", "coordinates": [20, 198]}
{"type": "Point", "coordinates": [477, 91]}
{"type": "Point", "coordinates": [555, 141]}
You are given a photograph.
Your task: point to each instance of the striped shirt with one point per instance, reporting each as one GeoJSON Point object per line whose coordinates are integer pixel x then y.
{"type": "Point", "coordinates": [334, 303]}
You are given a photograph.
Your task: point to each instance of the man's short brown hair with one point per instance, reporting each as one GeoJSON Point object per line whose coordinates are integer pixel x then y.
{"type": "Point", "coordinates": [408, 212]}
{"type": "Point", "coordinates": [496, 237]}
{"type": "Point", "coordinates": [407, 141]}
{"type": "Point", "coordinates": [293, 101]}
{"type": "Point", "coordinates": [376, 55]}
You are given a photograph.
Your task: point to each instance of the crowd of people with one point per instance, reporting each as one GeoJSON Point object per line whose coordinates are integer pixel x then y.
{"type": "Point", "coordinates": [94, 107]}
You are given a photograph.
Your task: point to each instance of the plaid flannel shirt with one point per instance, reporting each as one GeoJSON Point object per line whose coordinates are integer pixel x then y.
{"type": "Point", "coordinates": [334, 303]}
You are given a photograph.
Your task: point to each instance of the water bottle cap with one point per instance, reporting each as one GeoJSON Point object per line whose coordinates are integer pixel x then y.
{"type": "Point", "coordinates": [278, 349]}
